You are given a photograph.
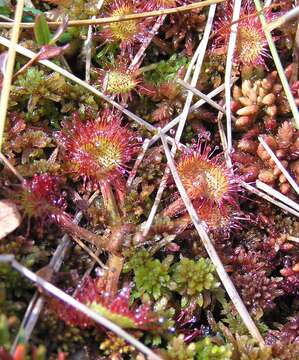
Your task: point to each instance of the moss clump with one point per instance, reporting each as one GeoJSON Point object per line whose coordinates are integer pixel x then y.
{"type": "Point", "coordinates": [192, 278]}
{"type": "Point", "coordinates": [151, 276]}
{"type": "Point", "coordinates": [201, 350]}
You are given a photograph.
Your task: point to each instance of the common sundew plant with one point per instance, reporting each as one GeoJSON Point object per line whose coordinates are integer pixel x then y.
{"type": "Point", "coordinates": [130, 227]}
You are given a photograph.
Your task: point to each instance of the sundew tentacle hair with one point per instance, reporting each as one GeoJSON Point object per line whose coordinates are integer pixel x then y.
{"type": "Point", "coordinates": [207, 177]}
{"type": "Point", "coordinates": [98, 150]}
{"type": "Point", "coordinates": [126, 33]}
{"type": "Point", "coordinates": [251, 46]}
{"type": "Point", "coordinates": [114, 307]}
{"type": "Point", "coordinates": [117, 80]}
{"type": "Point", "coordinates": [42, 197]}
{"type": "Point", "coordinates": [212, 187]}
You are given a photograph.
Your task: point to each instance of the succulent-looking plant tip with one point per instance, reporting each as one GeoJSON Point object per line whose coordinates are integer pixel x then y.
{"type": "Point", "coordinates": [98, 150]}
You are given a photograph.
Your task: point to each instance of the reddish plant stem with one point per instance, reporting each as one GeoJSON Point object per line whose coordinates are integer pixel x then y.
{"type": "Point", "coordinates": [115, 262]}
{"type": "Point", "coordinates": [66, 223]}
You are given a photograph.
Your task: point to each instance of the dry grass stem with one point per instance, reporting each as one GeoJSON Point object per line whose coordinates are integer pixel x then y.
{"type": "Point", "coordinates": [228, 72]}
{"type": "Point", "coordinates": [226, 281]}
{"type": "Point", "coordinates": [194, 107]}
{"type": "Point", "coordinates": [203, 96]}
{"type": "Point", "coordinates": [293, 238]}
{"type": "Point", "coordinates": [183, 117]}
{"type": "Point", "coordinates": [269, 198]}
{"type": "Point", "coordinates": [140, 53]}
{"type": "Point", "coordinates": [278, 195]}
{"type": "Point", "coordinates": [290, 15]}
{"type": "Point", "coordinates": [137, 163]}
{"type": "Point", "coordinates": [7, 163]}
{"type": "Point", "coordinates": [10, 67]}
{"type": "Point", "coordinates": [279, 165]}
{"type": "Point", "coordinates": [280, 70]}
{"type": "Point", "coordinates": [108, 20]}
{"type": "Point", "coordinates": [89, 252]}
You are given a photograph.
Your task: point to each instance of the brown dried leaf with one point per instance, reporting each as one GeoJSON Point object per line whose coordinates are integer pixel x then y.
{"type": "Point", "coordinates": [10, 217]}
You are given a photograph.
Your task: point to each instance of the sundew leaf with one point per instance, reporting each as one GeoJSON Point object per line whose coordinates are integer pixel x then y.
{"type": "Point", "coordinates": [41, 30]}
{"type": "Point", "coordinates": [121, 320]}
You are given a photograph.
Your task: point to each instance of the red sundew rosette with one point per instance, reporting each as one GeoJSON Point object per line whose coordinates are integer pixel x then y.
{"type": "Point", "coordinates": [115, 308]}
{"type": "Point", "coordinates": [98, 150]}
{"type": "Point", "coordinates": [251, 45]}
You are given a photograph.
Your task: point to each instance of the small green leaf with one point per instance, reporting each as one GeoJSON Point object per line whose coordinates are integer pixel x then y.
{"type": "Point", "coordinates": [5, 8]}
{"type": "Point", "coordinates": [41, 30]}
{"type": "Point", "coordinates": [32, 11]}
{"type": "Point", "coordinates": [4, 332]}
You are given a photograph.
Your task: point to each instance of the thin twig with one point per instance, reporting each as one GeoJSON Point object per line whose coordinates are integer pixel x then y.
{"type": "Point", "coordinates": [10, 67]}
{"type": "Point", "coordinates": [7, 163]}
{"type": "Point", "coordinates": [108, 20]}
{"type": "Point", "coordinates": [279, 165]}
{"type": "Point", "coordinates": [280, 70]}
{"type": "Point", "coordinates": [88, 49]}
{"type": "Point", "coordinates": [293, 238]}
{"type": "Point", "coordinates": [59, 294]}
{"type": "Point", "coordinates": [183, 117]}
{"type": "Point", "coordinates": [89, 252]}
{"type": "Point", "coordinates": [226, 281]}
{"type": "Point", "coordinates": [290, 15]}
{"type": "Point", "coordinates": [203, 96]}
{"type": "Point", "coordinates": [228, 159]}
{"type": "Point", "coordinates": [276, 194]}
{"type": "Point", "coordinates": [138, 57]}
{"type": "Point", "coordinates": [138, 161]}
{"type": "Point", "coordinates": [268, 198]}
{"type": "Point", "coordinates": [228, 72]}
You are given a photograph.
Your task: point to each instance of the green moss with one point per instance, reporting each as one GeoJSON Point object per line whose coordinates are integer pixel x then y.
{"type": "Point", "coordinates": [202, 350]}
{"type": "Point", "coordinates": [206, 350]}
{"type": "Point", "coordinates": [151, 276]}
{"type": "Point", "coordinates": [191, 278]}
{"type": "Point", "coordinates": [166, 70]}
